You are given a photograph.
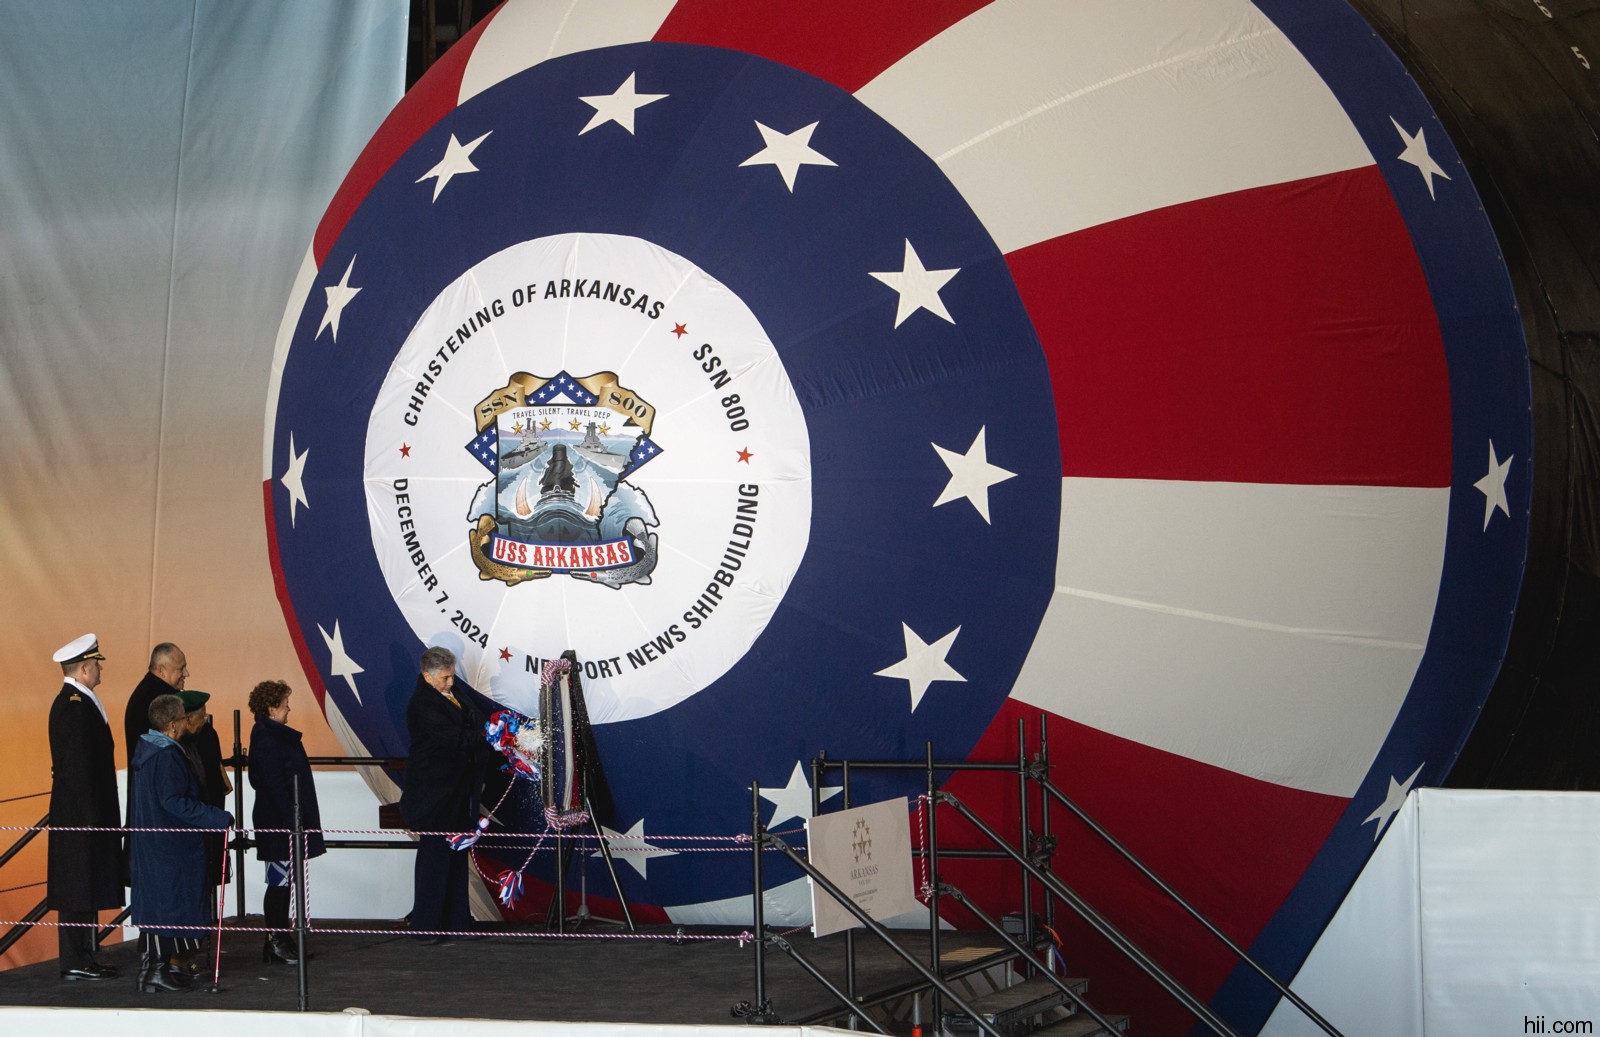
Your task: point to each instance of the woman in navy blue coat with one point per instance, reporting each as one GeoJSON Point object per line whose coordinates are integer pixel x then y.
{"type": "Point", "coordinates": [170, 886]}
{"type": "Point", "coordinates": [277, 762]}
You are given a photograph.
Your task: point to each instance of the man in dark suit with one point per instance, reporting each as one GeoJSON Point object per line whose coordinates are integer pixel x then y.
{"type": "Point", "coordinates": [443, 779]}
{"type": "Point", "coordinates": [169, 669]}
{"type": "Point", "coordinates": [84, 875]}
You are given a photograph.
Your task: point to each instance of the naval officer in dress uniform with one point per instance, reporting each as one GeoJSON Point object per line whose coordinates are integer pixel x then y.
{"type": "Point", "coordinates": [84, 874]}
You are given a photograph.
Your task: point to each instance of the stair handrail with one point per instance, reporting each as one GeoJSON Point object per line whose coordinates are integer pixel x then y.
{"type": "Point", "coordinates": [21, 929]}
{"type": "Point", "coordinates": [39, 910]}
{"type": "Point", "coordinates": [26, 838]}
{"type": "Point", "coordinates": [1027, 955]}
{"type": "Point", "coordinates": [1020, 767]}
{"type": "Point", "coordinates": [42, 908]}
{"type": "Point", "coordinates": [112, 926]}
{"type": "Point", "coordinates": [1037, 771]}
{"type": "Point", "coordinates": [1128, 855]}
{"type": "Point", "coordinates": [825, 884]}
{"type": "Point", "coordinates": [1102, 925]}
{"type": "Point", "coordinates": [783, 944]}
{"type": "Point", "coordinates": [761, 839]}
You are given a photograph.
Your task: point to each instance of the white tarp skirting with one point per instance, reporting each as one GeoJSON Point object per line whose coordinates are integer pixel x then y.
{"type": "Point", "coordinates": [1478, 914]}
{"type": "Point", "coordinates": [138, 1022]}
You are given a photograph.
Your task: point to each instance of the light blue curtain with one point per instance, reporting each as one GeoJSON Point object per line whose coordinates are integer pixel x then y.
{"type": "Point", "coordinates": [163, 164]}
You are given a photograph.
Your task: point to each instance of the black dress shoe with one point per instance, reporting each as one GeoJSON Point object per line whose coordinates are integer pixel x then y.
{"type": "Point", "coordinates": [108, 970]}
{"type": "Point", "coordinates": [90, 971]}
{"type": "Point", "coordinates": [154, 978]}
{"type": "Point", "coordinates": [280, 948]}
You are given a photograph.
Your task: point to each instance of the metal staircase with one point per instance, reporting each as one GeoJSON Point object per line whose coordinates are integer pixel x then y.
{"type": "Point", "coordinates": [1034, 1006]}
{"type": "Point", "coordinates": [1004, 990]}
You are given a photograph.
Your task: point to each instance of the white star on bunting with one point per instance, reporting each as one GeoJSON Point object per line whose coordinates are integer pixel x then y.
{"type": "Point", "coordinates": [457, 160]}
{"type": "Point", "coordinates": [1416, 153]}
{"type": "Point", "coordinates": [924, 663]}
{"type": "Point", "coordinates": [618, 106]}
{"type": "Point", "coordinates": [631, 848]}
{"type": "Point", "coordinates": [794, 799]}
{"type": "Point", "coordinates": [339, 297]}
{"type": "Point", "coordinates": [1493, 486]}
{"type": "Point", "coordinates": [918, 287]}
{"type": "Point", "coordinates": [340, 664]}
{"type": "Point", "coordinates": [788, 151]}
{"type": "Point", "coordinates": [971, 475]}
{"type": "Point", "coordinates": [294, 479]}
{"type": "Point", "coordinates": [1391, 803]}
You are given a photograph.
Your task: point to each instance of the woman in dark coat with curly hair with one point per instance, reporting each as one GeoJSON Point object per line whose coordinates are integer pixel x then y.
{"type": "Point", "coordinates": [277, 759]}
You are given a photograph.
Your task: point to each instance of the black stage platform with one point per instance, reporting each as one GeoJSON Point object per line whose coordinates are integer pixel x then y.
{"type": "Point", "coordinates": [604, 979]}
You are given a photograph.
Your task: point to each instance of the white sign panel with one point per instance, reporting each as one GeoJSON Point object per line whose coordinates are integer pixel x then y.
{"type": "Point", "coordinates": [865, 851]}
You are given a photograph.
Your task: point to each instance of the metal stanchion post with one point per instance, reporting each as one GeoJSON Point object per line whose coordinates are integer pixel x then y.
{"type": "Point", "coordinates": [849, 934]}
{"type": "Point", "coordinates": [558, 907]}
{"type": "Point", "coordinates": [758, 895]}
{"type": "Point", "coordinates": [1045, 832]}
{"type": "Point", "coordinates": [758, 1012]}
{"type": "Point", "coordinates": [238, 813]}
{"type": "Point", "coordinates": [932, 857]}
{"type": "Point", "coordinates": [1022, 807]}
{"type": "Point", "coordinates": [297, 854]}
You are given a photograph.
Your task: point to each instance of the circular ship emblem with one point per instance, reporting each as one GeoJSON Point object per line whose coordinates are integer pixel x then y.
{"type": "Point", "coordinates": [558, 451]}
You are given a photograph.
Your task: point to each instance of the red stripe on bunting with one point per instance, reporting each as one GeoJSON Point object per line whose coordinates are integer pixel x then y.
{"type": "Point", "coordinates": [1233, 846]}
{"type": "Point", "coordinates": [302, 651]}
{"type": "Point", "coordinates": [845, 42]}
{"type": "Point", "coordinates": [1283, 334]}
{"type": "Point", "coordinates": [434, 98]}
{"type": "Point", "coordinates": [534, 904]}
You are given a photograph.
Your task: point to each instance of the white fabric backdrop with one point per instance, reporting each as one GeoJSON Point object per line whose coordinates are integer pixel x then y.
{"type": "Point", "coordinates": [1477, 914]}
{"type": "Point", "coordinates": [162, 165]}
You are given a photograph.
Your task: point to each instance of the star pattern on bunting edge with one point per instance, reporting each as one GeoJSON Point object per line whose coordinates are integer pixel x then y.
{"type": "Point", "coordinates": [788, 152]}
{"type": "Point", "coordinates": [339, 296]}
{"type": "Point", "coordinates": [456, 162]}
{"type": "Point", "coordinates": [294, 480]}
{"type": "Point", "coordinates": [923, 664]}
{"type": "Point", "coordinates": [1392, 802]}
{"type": "Point", "coordinates": [1416, 154]}
{"type": "Point", "coordinates": [339, 663]}
{"type": "Point", "coordinates": [618, 106]}
{"type": "Point", "coordinates": [794, 799]}
{"type": "Point", "coordinates": [632, 847]}
{"type": "Point", "coordinates": [917, 286]}
{"type": "Point", "coordinates": [971, 475]}
{"type": "Point", "coordinates": [1493, 486]}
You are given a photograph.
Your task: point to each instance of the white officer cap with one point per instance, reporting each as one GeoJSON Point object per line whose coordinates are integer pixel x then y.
{"type": "Point", "coordinates": [79, 649]}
